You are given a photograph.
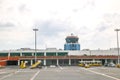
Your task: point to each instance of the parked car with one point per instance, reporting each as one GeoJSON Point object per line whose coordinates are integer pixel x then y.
{"type": "Point", "coordinates": [109, 64]}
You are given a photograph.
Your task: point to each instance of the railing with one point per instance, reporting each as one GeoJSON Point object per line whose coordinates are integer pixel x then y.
{"type": "Point", "coordinates": [60, 57]}
{"type": "Point", "coordinates": [70, 57]}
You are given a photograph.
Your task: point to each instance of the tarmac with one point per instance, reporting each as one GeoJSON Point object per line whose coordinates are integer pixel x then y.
{"type": "Point", "coordinates": [60, 73]}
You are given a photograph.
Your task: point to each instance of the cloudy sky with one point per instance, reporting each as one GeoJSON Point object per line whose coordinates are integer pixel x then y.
{"type": "Point", "coordinates": [93, 21]}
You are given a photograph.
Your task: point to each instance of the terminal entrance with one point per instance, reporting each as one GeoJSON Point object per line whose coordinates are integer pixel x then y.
{"type": "Point", "coordinates": [74, 62]}
{"type": "Point", "coordinates": [51, 62]}
{"type": "Point", "coordinates": [63, 62]}
{"type": "Point", "coordinates": [12, 62]}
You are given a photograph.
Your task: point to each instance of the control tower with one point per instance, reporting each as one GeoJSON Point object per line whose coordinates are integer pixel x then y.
{"type": "Point", "coordinates": [72, 43]}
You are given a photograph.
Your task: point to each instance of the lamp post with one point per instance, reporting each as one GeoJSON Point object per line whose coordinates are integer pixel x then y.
{"type": "Point", "coordinates": [35, 43]}
{"type": "Point", "coordinates": [118, 44]}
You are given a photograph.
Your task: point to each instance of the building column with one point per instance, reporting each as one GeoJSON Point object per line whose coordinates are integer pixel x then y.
{"type": "Point", "coordinates": [18, 62]}
{"type": "Point", "coordinates": [31, 62]}
{"type": "Point", "coordinates": [33, 54]}
{"type": "Point", "coordinates": [106, 61]}
{"type": "Point", "coordinates": [8, 54]}
{"type": "Point", "coordinates": [69, 62]}
{"type": "Point", "coordinates": [20, 53]}
{"type": "Point", "coordinates": [81, 59]}
{"type": "Point", "coordinates": [44, 62]}
{"type": "Point", "coordinates": [93, 59]}
{"type": "Point", "coordinates": [56, 54]}
{"type": "Point", "coordinates": [44, 53]}
{"type": "Point", "coordinates": [57, 62]}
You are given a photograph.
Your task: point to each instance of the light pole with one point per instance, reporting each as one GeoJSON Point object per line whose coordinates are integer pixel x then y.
{"type": "Point", "coordinates": [35, 44]}
{"type": "Point", "coordinates": [118, 44]}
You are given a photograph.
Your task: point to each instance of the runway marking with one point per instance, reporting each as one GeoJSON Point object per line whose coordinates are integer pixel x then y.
{"type": "Point", "coordinates": [26, 71]}
{"type": "Point", "coordinates": [1, 70]}
{"type": "Point", "coordinates": [45, 67]}
{"type": "Point", "coordinates": [6, 72]}
{"type": "Point", "coordinates": [9, 75]}
{"type": "Point", "coordinates": [60, 67]}
{"type": "Point", "coordinates": [102, 74]}
{"type": "Point", "coordinates": [35, 75]}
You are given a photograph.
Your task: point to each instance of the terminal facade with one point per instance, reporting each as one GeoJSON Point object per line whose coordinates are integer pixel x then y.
{"type": "Point", "coordinates": [70, 56]}
{"type": "Point", "coordinates": [57, 57]}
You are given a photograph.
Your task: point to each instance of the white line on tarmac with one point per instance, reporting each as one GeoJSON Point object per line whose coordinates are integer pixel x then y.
{"type": "Point", "coordinates": [60, 67]}
{"type": "Point", "coordinates": [4, 72]}
{"type": "Point", "coordinates": [35, 75]}
{"type": "Point", "coordinates": [45, 67]}
{"type": "Point", "coordinates": [5, 69]}
{"type": "Point", "coordinates": [8, 75]}
{"type": "Point", "coordinates": [26, 71]}
{"type": "Point", "coordinates": [102, 74]}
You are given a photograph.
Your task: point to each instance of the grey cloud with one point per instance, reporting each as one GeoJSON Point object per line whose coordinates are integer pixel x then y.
{"type": "Point", "coordinates": [89, 4]}
{"type": "Point", "coordinates": [1, 1]}
{"type": "Point", "coordinates": [22, 7]}
{"type": "Point", "coordinates": [102, 28]}
{"type": "Point", "coordinates": [50, 28]}
{"type": "Point", "coordinates": [75, 10]}
{"type": "Point", "coordinates": [84, 30]}
{"type": "Point", "coordinates": [109, 20]}
{"type": "Point", "coordinates": [112, 19]}
{"type": "Point", "coordinates": [8, 24]}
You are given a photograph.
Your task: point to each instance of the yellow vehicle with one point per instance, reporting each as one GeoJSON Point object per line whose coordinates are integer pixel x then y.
{"type": "Point", "coordinates": [23, 64]}
{"type": "Point", "coordinates": [35, 65]}
{"type": "Point", "coordinates": [88, 64]}
{"type": "Point", "coordinates": [118, 65]}
{"type": "Point", "coordinates": [2, 66]}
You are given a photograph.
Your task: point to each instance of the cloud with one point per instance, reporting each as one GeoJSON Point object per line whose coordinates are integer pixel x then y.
{"type": "Point", "coordinates": [112, 19]}
{"type": "Point", "coordinates": [7, 24]}
{"type": "Point", "coordinates": [22, 7]}
{"type": "Point", "coordinates": [51, 32]}
{"type": "Point", "coordinates": [92, 23]}
{"type": "Point", "coordinates": [51, 28]}
{"type": "Point", "coordinates": [102, 27]}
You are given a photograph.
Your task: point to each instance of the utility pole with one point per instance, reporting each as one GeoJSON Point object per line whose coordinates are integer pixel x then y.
{"type": "Point", "coordinates": [35, 29]}
{"type": "Point", "coordinates": [117, 30]}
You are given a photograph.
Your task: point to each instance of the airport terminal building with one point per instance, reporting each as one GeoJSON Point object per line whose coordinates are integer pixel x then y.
{"type": "Point", "coordinates": [57, 57]}
{"type": "Point", "coordinates": [70, 56]}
